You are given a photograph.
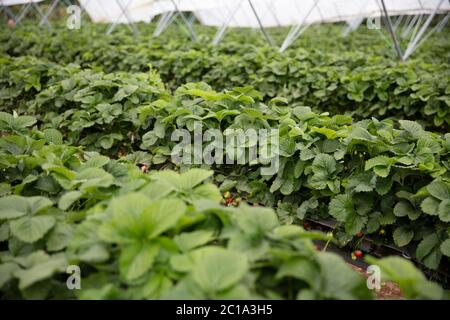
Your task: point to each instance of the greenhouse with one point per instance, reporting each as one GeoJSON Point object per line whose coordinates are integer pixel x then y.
{"type": "Point", "coordinates": [224, 150]}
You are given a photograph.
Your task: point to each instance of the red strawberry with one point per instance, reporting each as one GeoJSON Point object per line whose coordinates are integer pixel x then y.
{"type": "Point", "coordinates": [358, 253]}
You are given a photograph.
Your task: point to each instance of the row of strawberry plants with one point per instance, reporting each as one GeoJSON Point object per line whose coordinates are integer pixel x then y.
{"type": "Point", "coordinates": [161, 234]}
{"type": "Point", "coordinates": [370, 175]}
{"type": "Point", "coordinates": [360, 83]}
{"type": "Point", "coordinates": [92, 108]}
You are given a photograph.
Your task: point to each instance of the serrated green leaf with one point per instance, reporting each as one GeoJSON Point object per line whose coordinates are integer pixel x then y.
{"type": "Point", "coordinates": [444, 210]}
{"type": "Point", "coordinates": [219, 269]}
{"type": "Point", "coordinates": [341, 206]}
{"type": "Point", "coordinates": [430, 206]}
{"type": "Point", "coordinates": [68, 199]}
{"type": "Point", "coordinates": [30, 229]}
{"type": "Point", "coordinates": [439, 190]}
{"type": "Point", "coordinates": [445, 247]}
{"type": "Point", "coordinates": [403, 236]}
{"type": "Point", "coordinates": [137, 258]}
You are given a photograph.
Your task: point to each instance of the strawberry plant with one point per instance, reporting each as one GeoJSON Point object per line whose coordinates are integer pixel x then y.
{"type": "Point", "coordinates": [88, 176]}
{"type": "Point", "coordinates": [338, 79]}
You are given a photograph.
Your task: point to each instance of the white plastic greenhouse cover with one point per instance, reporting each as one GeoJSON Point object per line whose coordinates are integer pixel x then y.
{"type": "Point", "coordinates": [143, 10]}
{"type": "Point", "coordinates": [238, 13]}
{"type": "Point", "coordinates": [293, 12]}
{"type": "Point", "coordinates": [10, 3]}
{"type": "Point", "coordinates": [110, 10]}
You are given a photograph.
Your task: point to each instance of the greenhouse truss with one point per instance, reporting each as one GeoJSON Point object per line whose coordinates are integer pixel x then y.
{"type": "Point", "coordinates": [262, 14]}
{"type": "Point", "coordinates": [232, 150]}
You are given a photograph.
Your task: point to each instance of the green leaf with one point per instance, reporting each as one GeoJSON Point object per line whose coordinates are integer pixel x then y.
{"type": "Point", "coordinates": [96, 161]}
{"type": "Point", "coordinates": [192, 178]}
{"type": "Point", "coordinates": [412, 127]}
{"type": "Point", "coordinates": [219, 269]}
{"type": "Point", "coordinates": [206, 191]}
{"type": "Point", "coordinates": [23, 122]}
{"type": "Point", "coordinates": [92, 178]}
{"type": "Point", "coordinates": [124, 92]}
{"type": "Point", "coordinates": [360, 133]}
{"type": "Point", "coordinates": [301, 268]}
{"type": "Point", "coordinates": [341, 206]}
{"type": "Point", "coordinates": [41, 270]}
{"type": "Point", "coordinates": [338, 281]}
{"type": "Point", "coordinates": [378, 161]}
{"type": "Point", "coordinates": [16, 206]}
{"type": "Point", "coordinates": [329, 133]}
{"type": "Point", "coordinates": [136, 259]}
{"type": "Point", "coordinates": [445, 247]}
{"type": "Point", "coordinates": [439, 190]}
{"type": "Point", "coordinates": [53, 136]}
{"type": "Point", "coordinates": [403, 208]}
{"type": "Point", "coordinates": [403, 236]}
{"type": "Point", "coordinates": [125, 223]}
{"type": "Point", "coordinates": [30, 229]}
{"type": "Point", "coordinates": [354, 223]}
{"type": "Point", "coordinates": [4, 232]}
{"type": "Point", "coordinates": [161, 215]}
{"type": "Point", "coordinates": [324, 164]}
{"type": "Point", "coordinates": [411, 281]}
{"type": "Point", "coordinates": [189, 240]}
{"type": "Point", "coordinates": [363, 182]}
{"type": "Point", "coordinates": [426, 245]}
{"type": "Point", "coordinates": [68, 199]}
{"type": "Point", "coordinates": [59, 237]}
{"type": "Point", "coordinates": [430, 206]}
{"type": "Point", "coordinates": [96, 253]}
{"type": "Point", "coordinates": [12, 207]}
{"type": "Point", "coordinates": [256, 221]}
{"type": "Point", "coordinates": [444, 210]}
{"type": "Point", "coordinates": [7, 272]}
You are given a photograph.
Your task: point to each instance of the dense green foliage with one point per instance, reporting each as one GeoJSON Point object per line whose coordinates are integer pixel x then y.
{"type": "Point", "coordinates": [325, 71]}
{"type": "Point", "coordinates": [368, 175]}
{"type": "Point", "coordinates": [73, 136]}
{"type": "Point", "coordinates": [157, 235]}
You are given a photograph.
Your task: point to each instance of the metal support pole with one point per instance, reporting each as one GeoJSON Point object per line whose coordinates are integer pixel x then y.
{"type": "Point", "coordinates": [443, 22]}
{"type": "Point", "coordinates": [49, 11]}
{"type": "Point", "coordinates": [8, 13]}
{"type": "Point", "coordinates": [266, 35]}
{"type": "Point", "coordinates": [414, 43]}
{"type": "Point", "coordinates": [223, 28]}
{"type": "Point", "coordinates": [185, 20]}
{"type": "Point", "coordinates": [410, 25]}
{"type": "Point", "coordinates": [391, 31]}
{"type": "Point", "coordinates": [435, 29]}
{"type": "Point", "coordinates": [23, 13]}
{"type": "Point", "coordinates": [398, 22]}
{"type": "Point", "coordinates": [296, 31]}
{"type": "Point", "coordinates": [162, 22]}
{"type": "Point", "coordinates": [124, 12]}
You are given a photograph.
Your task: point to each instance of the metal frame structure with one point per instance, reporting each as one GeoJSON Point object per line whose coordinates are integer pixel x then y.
{"type": "Point", "coordinates": [221, 31]}
{"type": "Point", "coordinates": [414, 27]}
{"type": "Point", "coordinates": [7, 11]}
{"type": "Point", "coordinates": [261, 27]}
{"type": "Point", "coordinates": [298, 29]}
{"type": "Point", "coordinates": [26, 6]}
{"type": "Point", "coordinates": [124, 13]}
{"type": "Point", "coordinates": [169, 17]}
{"type": "Point", "coordinates": [409, 26]}
{"type": "Point", "coordinates": [231, 15]}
